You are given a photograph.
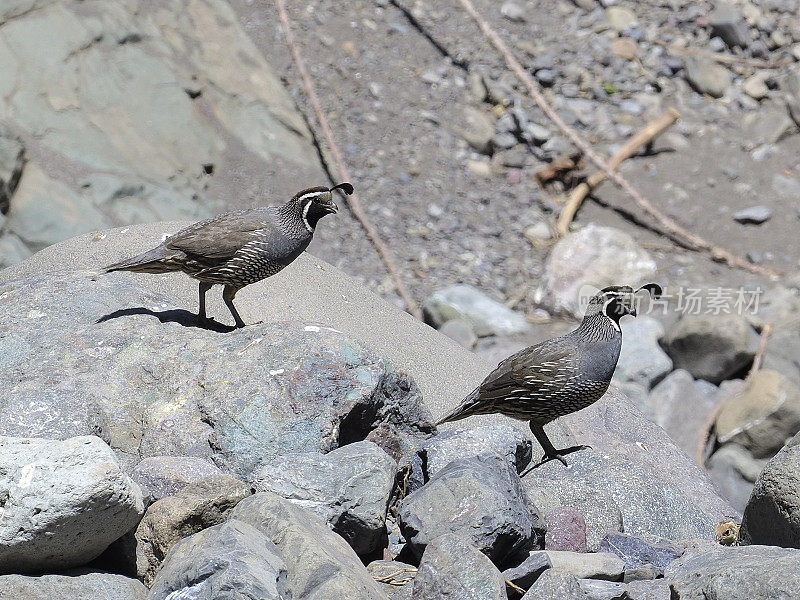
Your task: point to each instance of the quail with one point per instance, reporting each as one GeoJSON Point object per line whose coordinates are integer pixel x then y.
{"type": "Point", "coordinates": [238, 248]}
{"type": "Point", "coordinates": [558, 376]}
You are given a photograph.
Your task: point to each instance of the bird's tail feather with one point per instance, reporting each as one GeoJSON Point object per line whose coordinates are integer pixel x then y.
{"type": "Point", "coordinates": [466, 409]}
{"type": "Point", "coordinates": [152, 261]}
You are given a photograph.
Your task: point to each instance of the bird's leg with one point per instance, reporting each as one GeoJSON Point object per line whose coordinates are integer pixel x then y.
{"type": "Point", "coordinates": [204, 287]}
{"type": "Point", "coordinates": [550, 453]}
{"type": "Point", "coordinates": [228, 294]}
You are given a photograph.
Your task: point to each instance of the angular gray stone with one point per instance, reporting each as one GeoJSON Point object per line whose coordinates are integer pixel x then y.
{"type": "Point", "coordinates": [727, 23]}
{"type": "Point", "coordinates": [452, 567]}
{"type": "Point", "coordinates": [707, 77]}
{"type": "Point", "coordinates": [566, 530]}
{"type": "Point", "coordinates": [763, 416]}
{"type": "Point", "coordinates": [641, 359]}
{"type": "Point", "coordinates": [754, 215]}
{"type": "Point", "coordinates": [529, 570]}
{"type": "Point", "coordinates": [734, 470]}
{"type": "Point", "coordinates": [772, 515]}
{"type": "Point", "coordinates": [783, 351]}
{"type": "Point", "coordinates": [713, 572]}
{"type": "Point", "coordinates": [460, 330]}
{"type": "Point", "coordinates": [319, 563]}
{"type": "Point", "coordinates": [556, 585]}
{"type": "Point", "coordinates": [477, 128]}
{"type": "Point", "coordinates": [487, 316]}
{"type": "Point", "coordinates": [398, 578]}
{"type": "Point", "coordinates": [199, 505]}
{"type": "Point", "coordinates": [62, 503]}
{"type": "Point", "coordinates": [657, 589]}
{"type": "Point", "coordinates": [77, 584]}
{"type": "Point", "coordinates": [480, 499]}
{"type": "Point", "coordinates": [600, 511]}
{"type": "Point", "coordinates": [711, 347]}
{"type": "Point", "coordinates": [680, 405]}
{"type": "Point", "coordinates": [238, 398]}
{"type": "Point", "coordinates": [167, 475]}
{"type": "Point", "coordinates": [232, 556]}
{"type": "Point", "coordinates": [598, 589]}
{"type": "Point", "coordinates": [593, 257]}
{"type": "Point", "coordinates": [349, 488]}
{"type": "Point", "coordinates": [595, 565]}
{"type": "Point", "coordinates": [660, 491]}
{"type": "Point", "coordinates": [636, 552]}
{"type": "Point", "coordinates": [448, 446]}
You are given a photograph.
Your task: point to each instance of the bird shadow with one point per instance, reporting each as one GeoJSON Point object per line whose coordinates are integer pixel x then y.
{"type": "Point", "coordinates": [179, 316]}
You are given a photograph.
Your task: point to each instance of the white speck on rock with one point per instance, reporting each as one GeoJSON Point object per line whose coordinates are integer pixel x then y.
{"type": "Point", "coordinates": [36, 314]}
{"type": "Point", "coordinates": [313, 328]}
{"type": "Point", "coordinates": [277, 372]}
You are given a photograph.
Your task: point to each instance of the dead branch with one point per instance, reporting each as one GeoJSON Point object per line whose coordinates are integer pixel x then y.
{"type": "Point", "coordinates": [725, 59]}
{"type": "Point", "coordinates": [353, 202]}
{"type": "Point", "coordinates": [556, 169]}
{"type": "Point", "coordinates": [650, 132]}
{"type": "Point", "coordinates": [670, 228]}
{"type": "Point", "coordinates": [705, 429]}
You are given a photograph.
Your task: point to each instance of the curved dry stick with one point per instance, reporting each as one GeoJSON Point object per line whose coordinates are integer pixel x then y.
{"type": "Point", "coordinates": [353, 202]}
{"type": "Point", "coordinates": [670, 228]}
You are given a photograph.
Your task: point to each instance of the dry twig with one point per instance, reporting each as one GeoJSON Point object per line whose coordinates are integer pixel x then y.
{"type": "Point", "coordinates": [725, 59]}
{"type": "Point", "coordinates": [393, 579]}
{"type": "Point", "coordinates": [705, 429]}
{"type": "Point", "coordinates": [668, 226]}
{"type": "Point", "coordinates": [650, 132]}
{"type": "Point", "coordinates": [353, 201]}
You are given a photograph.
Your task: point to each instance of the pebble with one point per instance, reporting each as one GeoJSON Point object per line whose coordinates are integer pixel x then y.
{"type": "Point", "coordinates": [754, 215]}
{"type": "Point", "coordinates": [546, 77]}
{"type": "Point", "coordinates": [619, 19]}
{"type": "Point", "coordinates": [755, 87]}
{"type": "Point", "coordinates": [513, 12]}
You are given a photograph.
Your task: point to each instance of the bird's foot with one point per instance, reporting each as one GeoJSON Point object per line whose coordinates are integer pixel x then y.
{"type": "Point", "coordinates": [559, 456]}
{"type": "Point", "coordinates": [572, 449]}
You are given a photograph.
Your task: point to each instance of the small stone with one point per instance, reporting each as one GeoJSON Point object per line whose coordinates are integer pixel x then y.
{"type": "Point", "coordinates": [755, 87]}
{"type": "Point", "coordinates": [480, 168]}
{"type": "Point", "coordinates": [641, 359]}
{"type": "Point", "coordinates": [707, 77]}
{"type": "Point", "coordinates": [504, 141]}
{"type": "Point", "coordinates": [754, 215]}
{"type": "Point", "coordinates": [461, 332]}
{"type": "Point", "coordinates": [538, 233]}
{"type": "Point", "coordinates": [513, 12]}
{"type": "Point", "coordinates": [604, 590]}
{"type": "Point", "coordinates": [566, 530]}
{"type": "Point", "coordinates": [734, 470]}
{"type": "Point", "coordinates": [727, 22]}
{"type": "Point", "coordinates": [598, 565]}
{"type": "Point", "coordinates": [632, 107]}
{"type": "Point", "coordinates": [619, 19]}
{"type": "Point", "coordinates": [528, 571]}
{"type": "Point", "coordinates": [487, 316]}
{"type": "Point", "coordinates": [539, 134]}
{"type": "Point", "coordinates": [477, 128]}
{"type": "Point", "coordinates": [625, 48]}
{"type": "Point", "coordinates": [167, 475]}
{"type": "Point", "coordinates": [546, 77]}
{"type": "Point", "coordinates": [637, 552]}
{"type": "Point", "coordinates": [556, 585]}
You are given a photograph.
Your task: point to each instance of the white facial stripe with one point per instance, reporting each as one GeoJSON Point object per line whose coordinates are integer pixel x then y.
{"type": "Point", "coordinates": [305, 216]}
{"type": "Point", "coordinates": [314, 194]}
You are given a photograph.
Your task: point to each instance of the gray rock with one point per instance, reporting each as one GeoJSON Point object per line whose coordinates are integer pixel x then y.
{"type": "Point", "coordinates": [486, 316]}
{"type": "Point", "coordinates": [566, 530]}
{"type": "Point", "coordinates": [735, 573]}
{"type": "Point", "coordinates": [232, 556]}
{"type": "Point", "coordinates": [597, 565]}
{"type": "Point", "coordinates": [680, 405]}
{"type": "Point", "coordinates": [660, 491]}
{"type": "Point", "coordinates": [658, 589]}
{"type": "Point", "coordinates": [167, 475]}
{"type": "Point", "coordinates": [619, 18]}
{"type": "Point", "coordinates": [319, 563]}
{"type": "Point", "coordinates": [526, 573]}
{"type": "Point", "coordinates": [12, 250]}
{"type": "Point", "coordinates": [395, 578]}
{"type": "Point", "coordinates": [636, 552]}
{"type": "Point", "coordinates": [348, 488]}
{"type": "Point", "coordinates": [755, 87]}
{"type": "Point", "coordinates": [707, 77]}
{"type": "Point", "coordinates": [556, 585]}
{"type": "Point", "coordinates": [62, 503]}
{"type": "Point", "coordinates": [497, 439]}
{"type": "Point", "coordinates": [513, 12]}
{"type": "Point", "coordinates": [460, 330]}
{"type": "Point", "coordinates": [783, 351]}
{"type": "Point", "coordinates": [480, 499]}
{"type": "Point", "coordinates": [754, 215]}
{"type": "Point", "coordinates": [177, 107]}
{"type": "Point", "coordinates": [199, 505]}
{"type": "Point", "coordinates": [763, 416]}
{"type": "Point", "coordinates": [734, 470]}
{"type": "Point", "coordinates": [727, 22]}
{"type": "Point", "coordinates": [711, 347]}
{"type": "Point", "coordinates": [78, 584]}
{"type": "Point", "coordinates": [451, 566]}
{"type": "Point", "coordinates": [238, 417]}
{"type": "Point", "coordinates": [604, 590]}
{"type": "Point", "coordinates": [600, 512]}
{"type": "Point", "coordinates": [594, 256]}
{"type": "Point", "coordinates": [772, 515]}
{"type": "Point", "coordinates": [477, 129]}
{"type": "Point", "coordinates": [641, 359]}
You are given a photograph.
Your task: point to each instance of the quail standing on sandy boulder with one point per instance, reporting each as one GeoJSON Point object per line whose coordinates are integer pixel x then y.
{"type": "Point", "coordinates": [238, 248]}
{"type": "Point", "coordinates": [559, 376]}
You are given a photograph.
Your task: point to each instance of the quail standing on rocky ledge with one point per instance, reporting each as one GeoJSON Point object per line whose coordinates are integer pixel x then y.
{"type": "Point", "coordinates": [238, 248]}
{"type": "Point", "coordinates": [558, 376]}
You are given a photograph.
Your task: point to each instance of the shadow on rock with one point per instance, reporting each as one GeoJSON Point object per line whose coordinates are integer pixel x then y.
{"type": "Point", "coordinates": [177, 315]}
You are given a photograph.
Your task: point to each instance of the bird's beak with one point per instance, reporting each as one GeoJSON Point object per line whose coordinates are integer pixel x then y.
{"type": "Point", "coordinates": [331, 206]}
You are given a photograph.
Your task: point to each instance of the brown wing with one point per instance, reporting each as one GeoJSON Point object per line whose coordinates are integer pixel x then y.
{"type": "Point", "coordinates": [534, 367]}
{"type": "Point", "coordinates": [216, 240]}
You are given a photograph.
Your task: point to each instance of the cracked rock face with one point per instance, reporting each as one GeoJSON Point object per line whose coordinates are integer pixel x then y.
{"type": "Point", "coordinates": [153, 389]}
